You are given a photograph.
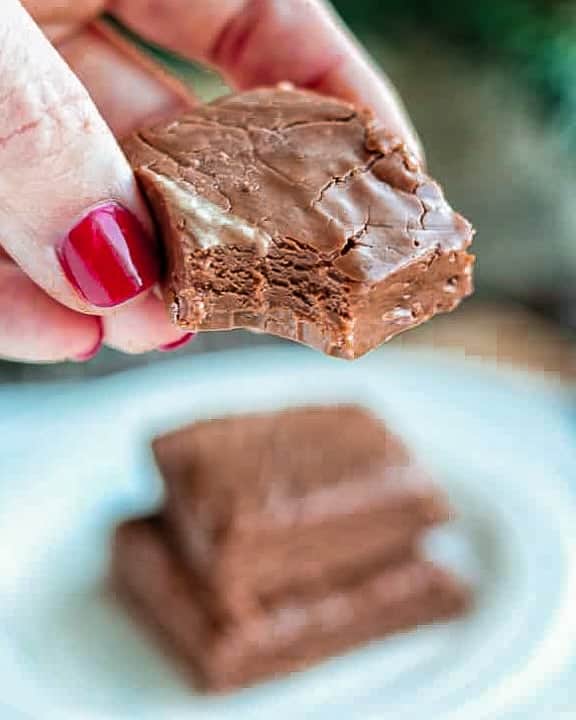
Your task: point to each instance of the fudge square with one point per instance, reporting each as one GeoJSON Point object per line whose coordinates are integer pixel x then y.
{"type": "Point", "coordinates": [259, 504]}
{"type": "Point", "coordinates": [298, 215]}
{"type": "Point", "coordinates": [289, 632]}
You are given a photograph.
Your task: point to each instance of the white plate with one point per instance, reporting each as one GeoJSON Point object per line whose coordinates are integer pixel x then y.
{"type": "Point", "coordinates": [74, 459]}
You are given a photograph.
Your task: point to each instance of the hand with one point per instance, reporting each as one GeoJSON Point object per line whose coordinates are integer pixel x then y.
{"type": "Point", "coordinates": [79, 257]}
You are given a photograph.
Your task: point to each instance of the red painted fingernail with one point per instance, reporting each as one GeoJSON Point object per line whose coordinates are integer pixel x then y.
{"type": "Point", "coordinates": [94, 350]}
{"type": "Point", "coordinates": [108, 256]}
{"type": "Point", "coordinates": [177, 343]}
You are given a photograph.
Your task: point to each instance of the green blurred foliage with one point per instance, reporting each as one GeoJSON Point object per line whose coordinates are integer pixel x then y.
{"type": "Point", "coordinates": [535, 38]}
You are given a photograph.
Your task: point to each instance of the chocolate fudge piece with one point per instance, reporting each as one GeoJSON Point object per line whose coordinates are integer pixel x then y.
{"type": "Point", "coordinates": [288, 633]}
{"type": "Point", "coordinates": [297, 214]}
{"type": "Point", "coordinates": [263, 502]}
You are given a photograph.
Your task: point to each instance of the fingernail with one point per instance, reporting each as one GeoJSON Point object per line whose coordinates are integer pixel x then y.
{"type": "Point", "coordinates": [94, 350]}
{"type": "Point", "coordinates": [177, 343]}
{"type": "Point", "coordinates": [108, 256]}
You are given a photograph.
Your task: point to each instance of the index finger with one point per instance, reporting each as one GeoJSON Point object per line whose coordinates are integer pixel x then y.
{"type": "Point", "coordinates": [262, 42]}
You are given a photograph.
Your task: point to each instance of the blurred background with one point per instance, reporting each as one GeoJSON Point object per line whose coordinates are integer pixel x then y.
{"type": "Point", "coordinates": [491, 88]}
{"type": "Point", "coordinates": [492, 92]}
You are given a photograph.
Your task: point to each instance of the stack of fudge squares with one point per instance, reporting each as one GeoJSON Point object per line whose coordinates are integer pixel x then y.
{"type": "Point", "coordinates": [286, 538]}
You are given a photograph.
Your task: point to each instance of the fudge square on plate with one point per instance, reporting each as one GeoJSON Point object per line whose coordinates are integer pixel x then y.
{"type": "Point", "coordinates": [285, 538]}
{"type": "Point", "coordinates": [259, 503]}
{"type": "Point", "coordinates": [289, 632]}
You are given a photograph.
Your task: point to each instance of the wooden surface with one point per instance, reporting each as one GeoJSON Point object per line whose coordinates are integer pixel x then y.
{"type": "Point", "coordinates": [506, 334]}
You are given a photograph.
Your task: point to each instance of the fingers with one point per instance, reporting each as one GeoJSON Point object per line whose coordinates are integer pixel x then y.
{"type": "Point", "coordinates": [127, 332]}
{"type": "Point", "coordinates": [63, 18]}
{"type": "Point", "coordinates": [70, 213]}
{"type": "Point", "coordinates": [64, 11]}
{"type": "Point", "coordinates": [261, 42]}
{"type": "Point", "coordinates": [129, 89]}
{"type": "Point", "coordinates": [56, 32]}
{"type": "Point", "coordinates": [35, 328]}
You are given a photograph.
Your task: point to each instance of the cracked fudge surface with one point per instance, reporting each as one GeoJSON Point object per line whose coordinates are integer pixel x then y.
{"type": "Point", "coordinates": [295, 214]}
{"type": "Point", "coordinates": [261, 503]}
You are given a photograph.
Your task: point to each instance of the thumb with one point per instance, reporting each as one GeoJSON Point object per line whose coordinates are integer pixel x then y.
{"type": "Point", "coordinates": [70, 213]}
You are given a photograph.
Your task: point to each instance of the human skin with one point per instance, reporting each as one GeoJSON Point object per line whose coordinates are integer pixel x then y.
{"type": "Point", "coordinates": [69, 87]}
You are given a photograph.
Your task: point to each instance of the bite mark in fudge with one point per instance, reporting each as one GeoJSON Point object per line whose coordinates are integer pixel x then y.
{"type": "Point", "coordinates": [261, 503]}
{"type": "Point", "coordinates": [296, 214]}
{"type": "Point", "coordinates": [292, 631]}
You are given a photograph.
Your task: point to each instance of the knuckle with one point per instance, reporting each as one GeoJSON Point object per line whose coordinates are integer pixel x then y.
{"type": "Point", "coordinates": [69, 11]}
{"type": "Point", "coordinates": [40, 122]}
